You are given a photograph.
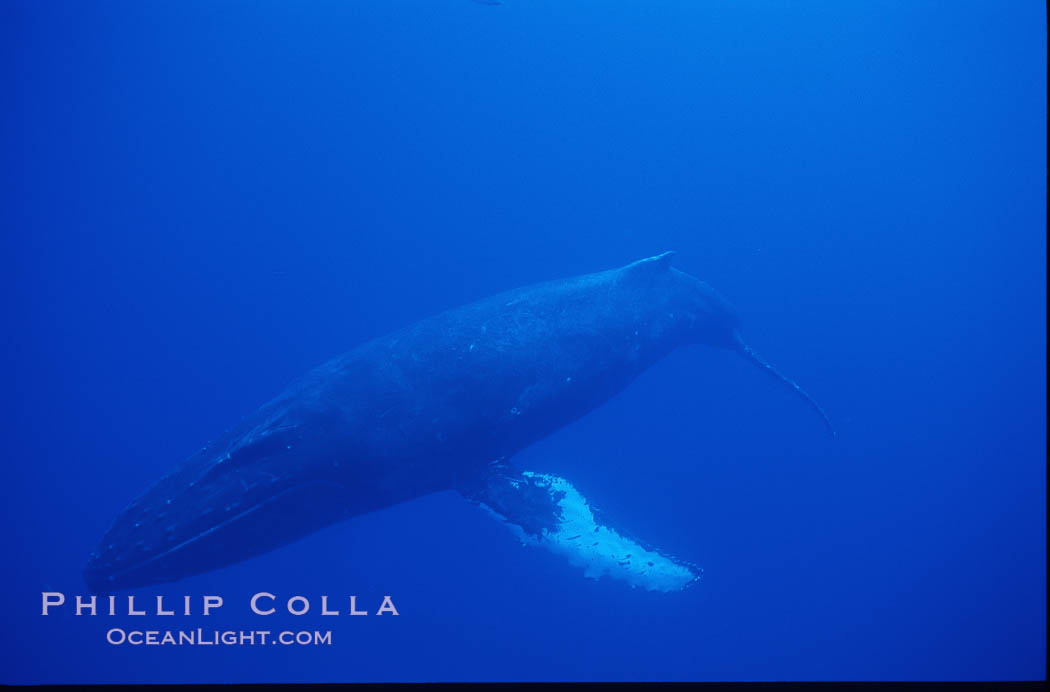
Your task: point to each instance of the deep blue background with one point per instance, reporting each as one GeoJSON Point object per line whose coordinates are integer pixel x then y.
{"type": "Point", "coordinates": [203, 200]}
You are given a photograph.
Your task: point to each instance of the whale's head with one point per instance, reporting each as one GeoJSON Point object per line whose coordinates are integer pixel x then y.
{"type": "Point", "coordinates": [244, 495]}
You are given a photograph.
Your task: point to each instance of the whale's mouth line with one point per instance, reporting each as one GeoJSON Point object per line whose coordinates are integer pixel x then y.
{"type": "Point", "coordinates": [138, 566]}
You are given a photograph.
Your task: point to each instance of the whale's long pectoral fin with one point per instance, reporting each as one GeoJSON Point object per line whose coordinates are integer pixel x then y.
{"type": "Point", "coordinates": [547, 511]}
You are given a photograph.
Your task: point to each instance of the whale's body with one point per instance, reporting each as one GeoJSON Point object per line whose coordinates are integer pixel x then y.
{"type": "Point", "coordinates": [440, 404]}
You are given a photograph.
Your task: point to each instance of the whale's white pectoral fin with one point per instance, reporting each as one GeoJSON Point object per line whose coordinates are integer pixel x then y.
{"type": "Point", "coordinates": [547, 511]}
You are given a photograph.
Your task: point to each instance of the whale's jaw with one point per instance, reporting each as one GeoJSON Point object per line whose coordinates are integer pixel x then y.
{"type": "Point", "coordinates": [253, 490]}
{"type": "Point", "coordinates": [151, 543]}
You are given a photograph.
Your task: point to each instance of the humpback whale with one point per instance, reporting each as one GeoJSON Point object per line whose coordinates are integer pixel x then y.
{"type": "Point", "coordinates": [444, 403]}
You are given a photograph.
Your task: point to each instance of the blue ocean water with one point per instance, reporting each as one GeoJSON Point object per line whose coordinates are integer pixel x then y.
{"type": "Point", "coordinates": [203, 200]}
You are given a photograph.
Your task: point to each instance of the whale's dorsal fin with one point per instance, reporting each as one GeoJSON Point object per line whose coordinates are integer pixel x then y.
{"type": "Point", "coordinates": [657, 263]}
{"type": "Point", "coordinates": [547, 511]}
